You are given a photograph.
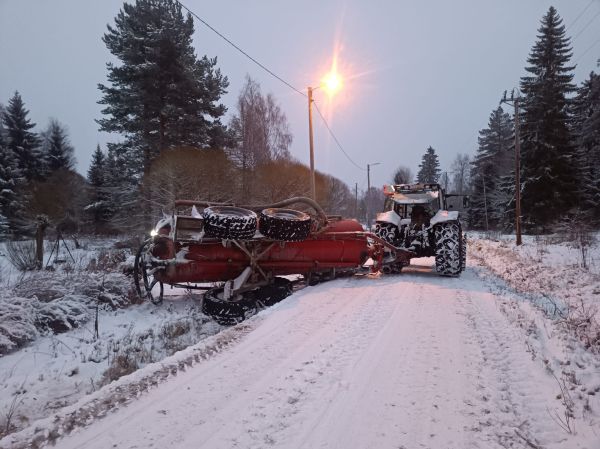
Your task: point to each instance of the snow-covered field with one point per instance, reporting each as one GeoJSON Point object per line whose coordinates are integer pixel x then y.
{"type": "Point", "coordinates": [399, 361]}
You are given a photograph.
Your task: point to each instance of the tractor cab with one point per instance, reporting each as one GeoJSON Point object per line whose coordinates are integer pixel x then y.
{"type": "Point", "coordinates": [414, 202]}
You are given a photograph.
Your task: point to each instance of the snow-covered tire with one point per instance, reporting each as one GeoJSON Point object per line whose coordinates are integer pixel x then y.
{"type": "Point", "coordinates": [284, 224]}
{"type": "Point", "coordinates": [388, 232]}
{"type": "Point", "coordinates": [228, 222]}
{"type": "Point", "coordinates": [463, 254]}
{"type": "Point", "coordinates": [244, 305]}
{"type": "Point", "coordinates": [448, 242]}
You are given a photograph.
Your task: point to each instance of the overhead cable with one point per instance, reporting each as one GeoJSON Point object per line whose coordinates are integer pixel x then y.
{"type": "Point", "coordinates": [262, 66]}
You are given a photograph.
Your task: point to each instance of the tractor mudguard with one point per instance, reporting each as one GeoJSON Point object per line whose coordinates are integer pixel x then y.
{"type": "Point", "coordinates": [443, 216]}
{"type": "Point", "coordinates": [389, 217]}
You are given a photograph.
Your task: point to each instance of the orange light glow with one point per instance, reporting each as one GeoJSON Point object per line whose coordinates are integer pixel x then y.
{"type": "Point", "coordinates": [332, 82]}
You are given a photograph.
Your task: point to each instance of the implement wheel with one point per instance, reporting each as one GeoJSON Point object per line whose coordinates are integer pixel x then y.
{"type": "Point", "coordinates": [287, 225]}
{"type": "Point", "coordinates": [244, 305]}
{"type": "Point", "coordinates": [142, 275]}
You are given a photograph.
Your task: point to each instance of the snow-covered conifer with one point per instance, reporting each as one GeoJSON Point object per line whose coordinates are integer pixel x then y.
{"type": "Point", "coordinates": [492, 163]}
{"type": "Point", "coordinates": [57, 149]}
{"type": "Point", "coordinates": [548, 176]}
{"type": "Point", "coordinates": [21, 141]}
{"type": "Point", "coordinates": [429, 169]}
{"type": "Point", "coordinates": [160, 95]}
{"type": "Point", "coordinates": [99, 196]}
{"type": "Point", "coordinates": [10, 180]}
{"type": "Point", "coordinates": [587, 130]}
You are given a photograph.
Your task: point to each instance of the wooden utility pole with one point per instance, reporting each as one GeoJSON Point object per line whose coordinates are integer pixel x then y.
{"type": "Point", "coordinates": [369, 194]}
{"type": "Point", "coordinates": [356, 200]}
{"type": "Point", "coordinates": [515, 100]}
{"type": "Point", "coordinates": [313, 192]}
{"type": "Point", "coordinates": [367, 197]}
{"type": "Point", "coordinates": [487, 226]}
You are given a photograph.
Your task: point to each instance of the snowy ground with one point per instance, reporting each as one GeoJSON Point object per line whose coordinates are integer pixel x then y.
{"type": "Point", "coordinates": [402, 361]}
{"type": "Point", "coordinates": [551, 274]}
{"type": "Point", "coordinates": [53, 370]}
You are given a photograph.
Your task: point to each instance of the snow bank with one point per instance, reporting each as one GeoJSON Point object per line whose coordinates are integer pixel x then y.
{"type": "Point", "coordinates": [553, 278]}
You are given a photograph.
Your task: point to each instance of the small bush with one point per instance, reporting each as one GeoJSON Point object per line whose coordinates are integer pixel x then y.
{"type": "Point", "coordinates": [22, 254]}
{"type": "Point", "coordinates": [107, 260]}
{"type": "Point", "coordinates": [17, 325]}
{"type": "Point", "coordinates": [120, 366]}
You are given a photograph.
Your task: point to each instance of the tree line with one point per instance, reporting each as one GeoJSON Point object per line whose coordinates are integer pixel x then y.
{"type": "Point", "coordinates": [559, 138]}
{"type": "Point", "coordinates": [33, 168]}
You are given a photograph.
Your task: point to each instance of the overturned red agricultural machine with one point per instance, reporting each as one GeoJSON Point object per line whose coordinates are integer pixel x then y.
{"type": "Point", "coordinates": [238, 254]}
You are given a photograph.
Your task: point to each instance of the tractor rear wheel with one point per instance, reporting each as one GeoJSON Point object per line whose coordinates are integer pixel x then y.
{"type": "Point", "coordinates": [284, 224]}
{"type": "Point", "coordinates": [228, 222]}
{"type": "Point", "coordinates": [448, 254]}
{"type": "Point", "coordinates": [463, 254]}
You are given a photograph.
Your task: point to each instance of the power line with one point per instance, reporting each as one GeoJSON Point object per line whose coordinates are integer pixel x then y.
{"type": "Point", "coordinates": [588, 49]}
{"type": "Point", "coordinates": [335, 138]}
{"type": "Point", "coordinates": [580, 14]}
{"type": "Point", "coordinates": [587, 25]}
{"type": "Point", "coordinates": [270, 72]}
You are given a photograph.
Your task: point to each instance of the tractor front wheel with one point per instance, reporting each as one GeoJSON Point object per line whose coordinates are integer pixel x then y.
{"type": "Point", "coordinates": [388, 232]}
{"type": "Point", "coordinates": [448, 245]}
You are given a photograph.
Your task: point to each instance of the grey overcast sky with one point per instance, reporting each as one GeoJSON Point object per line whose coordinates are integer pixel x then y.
{"type": "Point", "coordinates": [423, 72]}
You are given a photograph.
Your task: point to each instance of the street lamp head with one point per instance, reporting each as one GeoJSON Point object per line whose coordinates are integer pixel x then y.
{"type": "Point", "coordinates": [332, 82]}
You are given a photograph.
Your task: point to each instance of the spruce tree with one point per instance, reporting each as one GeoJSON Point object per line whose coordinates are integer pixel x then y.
{"type": "Point", "coordinates": [121, 187]}
{"type": "Point", "coordinates": [587, 131]}
{"type": "Point", "coordinates": [11, 181]}
{"type": "Point", "coordinates": [21, 141]}
{"type": "Point", "coordinates": [96, 174]}
{"type": "Point", "coordinates": [57, 149]}
{"type": "Point", "coordinates": [429, 169]}
{"type": "Point", "coordinates": [160, 95]}
{"type": "Point", "coordinates": [9, 177]}
{"type": "Point", "coordinates": [97, 177]}
{"type": "Point", "coordinates": [548, 176]}
{"type": "Point", "coordinates": [492, 163]}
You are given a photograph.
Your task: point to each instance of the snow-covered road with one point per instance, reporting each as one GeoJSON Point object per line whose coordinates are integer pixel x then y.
{"type": "Point", "coordinates": [403, 361]}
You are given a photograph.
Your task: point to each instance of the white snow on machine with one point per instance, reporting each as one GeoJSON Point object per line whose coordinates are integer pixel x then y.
{"type": "Point", "coordinates": [416, 218]}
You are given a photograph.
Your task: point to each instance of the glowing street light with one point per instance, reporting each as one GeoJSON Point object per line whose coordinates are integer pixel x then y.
{"type": "Point", "coordinates": [331, 83]}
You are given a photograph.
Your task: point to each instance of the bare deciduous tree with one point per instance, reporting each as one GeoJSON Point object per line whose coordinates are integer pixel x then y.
{"type": "Point", "coordinates": [187, 173]}
{"type": "Point", "coordinates": [261, 133]}
{"type": "Point", "coordinates": [461, 168]}
{"type": "Point", "coordinates": [334, 195]}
